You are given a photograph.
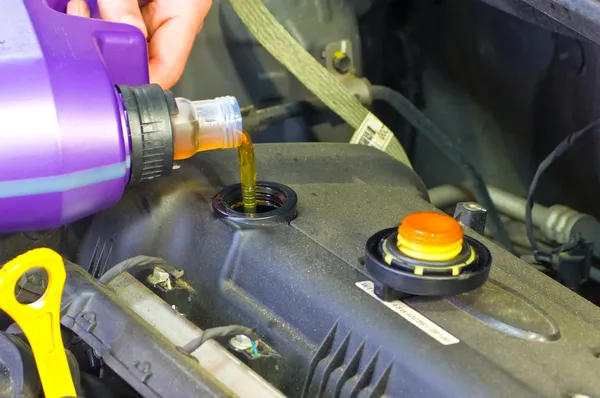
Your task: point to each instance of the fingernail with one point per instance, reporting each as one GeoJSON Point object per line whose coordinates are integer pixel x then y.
{"type": "Point", "coordinates": [74, 8]}
{"type": "Point", "coordinates": [78, 8]}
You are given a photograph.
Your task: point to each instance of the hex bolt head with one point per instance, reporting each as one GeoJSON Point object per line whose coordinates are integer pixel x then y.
{"type": "Point", "coordinates": [241, 342]}
{"type": "Point", "coordinates": [342, 62]}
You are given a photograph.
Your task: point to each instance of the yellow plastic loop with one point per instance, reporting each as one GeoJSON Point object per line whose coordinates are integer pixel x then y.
{"type": "Point", "coordinates": [429, 252]}
{"type": "Point", "coordinates": [40, 321]}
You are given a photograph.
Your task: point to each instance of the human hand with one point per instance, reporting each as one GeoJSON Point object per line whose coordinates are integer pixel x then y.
{"type": "Point", "coordinates": [170, 27]}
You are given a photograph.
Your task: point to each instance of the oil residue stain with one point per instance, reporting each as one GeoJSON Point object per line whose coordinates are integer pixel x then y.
{"type": "Point", "coordinates": [247, 173]}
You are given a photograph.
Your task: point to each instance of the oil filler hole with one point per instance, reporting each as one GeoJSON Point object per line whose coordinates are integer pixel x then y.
{"type": "Point", "coordinates": [275, 203]}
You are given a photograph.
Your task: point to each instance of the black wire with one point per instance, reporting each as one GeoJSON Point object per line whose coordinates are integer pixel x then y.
{"type": "Point", "coordinates": [540, 254]}
{"type": "Point", "coordinates": [218, 332]}
{"type": "Point", "coordinates": [255, 119]}
{"type": "Point", "coordinates": [415, 117]}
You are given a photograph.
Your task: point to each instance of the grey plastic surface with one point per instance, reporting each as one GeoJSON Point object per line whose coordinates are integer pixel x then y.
{"type": "Point", "coordinates": [139, 354]}
{"type": "Point", "coordinates": [296, 284]}
{"type": "Point", "coordinates": [216, 360]}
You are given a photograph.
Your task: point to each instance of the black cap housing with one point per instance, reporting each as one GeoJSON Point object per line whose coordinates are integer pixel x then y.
{"type": "Point", "coordinates": [149, 109]}
{"type": "Point", "coordinates": [394, 275]}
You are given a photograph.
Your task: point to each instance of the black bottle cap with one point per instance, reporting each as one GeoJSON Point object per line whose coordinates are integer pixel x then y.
{"type": "Point", "coordinates": [149, 109]}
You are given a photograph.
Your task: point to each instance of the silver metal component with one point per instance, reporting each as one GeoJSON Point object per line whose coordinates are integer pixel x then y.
{"type": "Point", "coordinates": [342, 63]}
{"type": "Point", "coordinates": [241, 342]}
{"type": "Point", "coordinates": [333, 53]}
{"type": "Point", "coordinates": [472, 215]}
{"type": "Point", "coordinates": [514, 206]}
{"type": "Point", "coordinates": [506, 203]}
{"type": "Point", "coordinates": [339, 58]}
{"type": "Point", "coordinates": [360, 87]}
{"type": "Point", "coordinates": [473, 206]}
{"type": "Point", "coordinates": [228, 370]}
{"type": "Point", "coordinates": [556, 222]}
{"type": "Point", "coordinates": [161, 277]}
{"type": "Point", "coordinates": [560, 221]}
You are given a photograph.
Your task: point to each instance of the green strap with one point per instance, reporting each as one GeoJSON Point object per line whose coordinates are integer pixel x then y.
{"type": "Point", "coordinates": [277, 41]}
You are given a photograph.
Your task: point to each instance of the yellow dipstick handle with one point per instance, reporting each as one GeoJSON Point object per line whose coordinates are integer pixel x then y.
{"type": "Point", "coordinates": [40, 321]}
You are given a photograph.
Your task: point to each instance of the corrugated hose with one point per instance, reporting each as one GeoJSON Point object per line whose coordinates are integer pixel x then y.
{"type": "Point", "coordinates": [323, 84]}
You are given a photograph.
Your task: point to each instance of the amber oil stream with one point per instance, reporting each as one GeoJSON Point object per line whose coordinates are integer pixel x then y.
{"type": "Point", "coordinates": [247, 173]}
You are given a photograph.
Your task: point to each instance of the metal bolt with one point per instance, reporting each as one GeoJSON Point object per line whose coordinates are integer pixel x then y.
{"type": "Point", "coordinates": [241, 342]}
{"type": "Point", "coordinates": [342, 62]}
{"type": "Point", "coordinates": [161, 277]}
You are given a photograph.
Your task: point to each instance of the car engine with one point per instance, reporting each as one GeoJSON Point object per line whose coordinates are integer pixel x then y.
{"type": "Point", "coordinates": [177, 292]}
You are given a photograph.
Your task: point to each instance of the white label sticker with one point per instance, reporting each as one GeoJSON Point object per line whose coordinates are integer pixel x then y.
{"type": "Point", "coordinates": [412, 316]}
{"type": "Point", "coordinates": [372, 132]}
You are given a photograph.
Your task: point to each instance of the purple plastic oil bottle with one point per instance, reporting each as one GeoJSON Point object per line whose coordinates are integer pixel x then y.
{"type": "Point", "coordinates": [79, 121]}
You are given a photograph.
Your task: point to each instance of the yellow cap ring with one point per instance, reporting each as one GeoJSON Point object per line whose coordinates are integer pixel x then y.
{"type": "Point", "coordinates": [430, 236]}
{"type": "Point", "coordinates": [421, 267]}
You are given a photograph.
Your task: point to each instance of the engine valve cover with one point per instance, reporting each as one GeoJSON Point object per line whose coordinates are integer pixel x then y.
{"type": "Point", "coordinates": [302, 282]}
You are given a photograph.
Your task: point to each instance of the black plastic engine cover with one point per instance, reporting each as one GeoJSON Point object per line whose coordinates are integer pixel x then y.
{"type": "Point", "coordinates": [520, 335]}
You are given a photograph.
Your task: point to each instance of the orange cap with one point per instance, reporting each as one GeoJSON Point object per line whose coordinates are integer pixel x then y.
{"type": "Point", "coordinates": [430, 236]}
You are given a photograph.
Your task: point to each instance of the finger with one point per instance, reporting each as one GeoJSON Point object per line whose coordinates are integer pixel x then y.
{"type": "Point", "coordinates": [172, 27]}
{"type": "Point", "coordinates": [124, 11]}
{"type": "Point", "coordinates": [168, 51]}
{"type": "Point", "coordinates": [157, 12]}
{"type": "Point", "coordinates": [78, 8]}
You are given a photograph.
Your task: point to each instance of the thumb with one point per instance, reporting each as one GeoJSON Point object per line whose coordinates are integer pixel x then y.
{"type": "Point", "coordinates": [124, 11]}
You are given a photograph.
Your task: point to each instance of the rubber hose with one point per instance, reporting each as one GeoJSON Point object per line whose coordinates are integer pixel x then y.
{"type": "Point", "coordinates": [426, 127]}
